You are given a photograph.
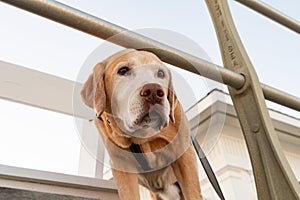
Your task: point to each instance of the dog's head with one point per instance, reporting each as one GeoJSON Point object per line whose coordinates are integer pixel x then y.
{"type": "Point", "coordinates": [135, 88]}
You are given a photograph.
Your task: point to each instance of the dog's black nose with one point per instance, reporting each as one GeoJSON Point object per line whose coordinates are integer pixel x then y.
{"type": "Point", "coordinates": [152, 93]}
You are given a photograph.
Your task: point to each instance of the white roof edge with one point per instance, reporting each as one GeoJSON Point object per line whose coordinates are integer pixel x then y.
{"type": "Point", "coordinates": [53, 178]}
{"type": "Point", "coordinates": [220, 96]}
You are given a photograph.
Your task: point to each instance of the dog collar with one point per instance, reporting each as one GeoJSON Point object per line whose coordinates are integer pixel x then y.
{"type": "Point", "coordinates": [99, 117]}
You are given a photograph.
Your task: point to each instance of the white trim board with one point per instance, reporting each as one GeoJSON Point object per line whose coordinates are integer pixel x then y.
{"type": "Point", "coordinates": [34, 88]}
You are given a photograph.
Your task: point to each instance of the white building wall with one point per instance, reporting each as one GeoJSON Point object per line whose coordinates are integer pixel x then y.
{"type": "Point", "coordinates": [231, 164]}
{"type": "Point", "coordinates": [229, 157]}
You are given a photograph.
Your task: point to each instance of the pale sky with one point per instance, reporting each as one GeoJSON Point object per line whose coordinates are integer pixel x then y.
{"type": "Point", "coordinates": [47, 141]}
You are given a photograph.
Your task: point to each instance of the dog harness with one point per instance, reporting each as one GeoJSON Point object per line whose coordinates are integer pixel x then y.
{"type": "Point", "coordinates": [139, 156]}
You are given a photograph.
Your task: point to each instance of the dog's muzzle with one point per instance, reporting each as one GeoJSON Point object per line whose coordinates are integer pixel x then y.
{"type": "Point", "coordinates": [152, 96]}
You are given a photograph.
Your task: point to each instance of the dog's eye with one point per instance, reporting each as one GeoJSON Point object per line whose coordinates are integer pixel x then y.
{"type": "Point", "coordinates": [160, 73]}
{"type": "Point", "coordinates": [123, 70]}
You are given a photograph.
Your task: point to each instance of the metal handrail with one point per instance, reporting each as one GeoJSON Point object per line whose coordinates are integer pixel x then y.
{"type": "Point", "coordinates": [272, 14]}
{"type": "Point", "coordinates": [105, 30]}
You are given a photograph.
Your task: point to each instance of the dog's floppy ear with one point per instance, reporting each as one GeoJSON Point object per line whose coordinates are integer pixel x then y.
{"type": "Point", "coordinates": [93, 91]}
{"type": "Point", "coordinates": [172, 99]}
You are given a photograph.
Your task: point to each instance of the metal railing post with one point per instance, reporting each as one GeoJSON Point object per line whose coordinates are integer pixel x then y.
{"type": "Point", "coordinates": [273, 176]}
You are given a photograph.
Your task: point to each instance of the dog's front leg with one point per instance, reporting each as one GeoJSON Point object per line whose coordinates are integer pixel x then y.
{"type": "Point", "coordinates": [127, 185]}
{"type": "Point", "coordinates": [185, 169]}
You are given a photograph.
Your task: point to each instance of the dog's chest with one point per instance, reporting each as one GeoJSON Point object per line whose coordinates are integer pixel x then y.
{"type": "Point", "coordinates": [159, 153]}
{"type": "Point", "coordinates": [157, 180]}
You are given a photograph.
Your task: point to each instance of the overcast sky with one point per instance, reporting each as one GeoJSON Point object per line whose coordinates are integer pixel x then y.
{"type": "Point", "coordinates": [37, 43]}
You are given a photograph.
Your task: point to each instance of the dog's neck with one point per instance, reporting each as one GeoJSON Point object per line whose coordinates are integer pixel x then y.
{"type": "Point", "coordinates": [107, 121]}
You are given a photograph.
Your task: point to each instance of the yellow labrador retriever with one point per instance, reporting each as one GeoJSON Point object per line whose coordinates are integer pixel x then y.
{"type": "Point", "coordinates": [143, 126]}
